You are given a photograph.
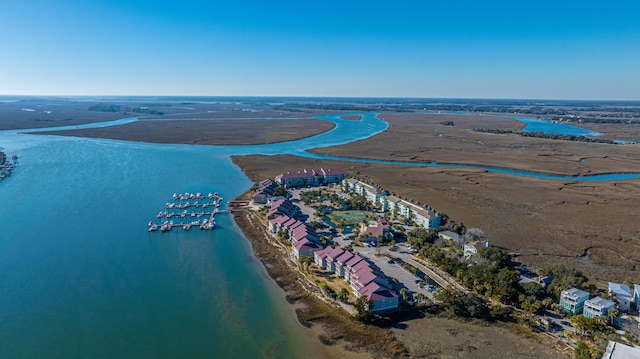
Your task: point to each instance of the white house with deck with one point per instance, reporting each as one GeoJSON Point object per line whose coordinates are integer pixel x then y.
{"type": "Point", "coordinates": [597, 306]}
{"type": "Point", "coordinates": [623, 295]}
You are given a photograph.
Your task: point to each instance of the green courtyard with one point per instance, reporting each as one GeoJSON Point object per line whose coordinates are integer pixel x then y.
{"type": "Point", "coordinates": [347, 218]}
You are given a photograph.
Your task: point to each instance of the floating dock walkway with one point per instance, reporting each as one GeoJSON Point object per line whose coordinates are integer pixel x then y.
{"type": "Point", "coordinates": [188, 210]}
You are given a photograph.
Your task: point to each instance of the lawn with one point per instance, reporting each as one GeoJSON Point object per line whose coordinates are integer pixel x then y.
{"type": "Point", "coordinates": [349, 217]}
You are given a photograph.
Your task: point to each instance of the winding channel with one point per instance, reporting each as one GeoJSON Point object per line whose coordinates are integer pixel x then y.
{"type": "Point", "coordinates": [344, 132]}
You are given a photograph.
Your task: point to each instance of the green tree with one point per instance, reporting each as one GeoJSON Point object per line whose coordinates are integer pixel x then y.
{"type": "Point", "coordinates": [582, 351]}
{"type": "Point", "coordinates": [280, 191]}
{"type": "Point", "coordinates": [589, 327]}
{"type": "Point", "coordinates": [328, 291]}
{"type": "Point", "coordinates": [406, 296]}
{"type": "Point", "coordinates": [305, 262]}
{"type": "Point", "coordinates": [564, 277]}
{"type": "Point", "coordinates": [343, 295]}
{"type": "Point", "coordinates": [499, 257]}
{"type": "Point", "coordinates": [613, 313]}
{"type": "Point", "coordinates": [364, 309]}
{"type": "Point", "coordinates": [456, 303]}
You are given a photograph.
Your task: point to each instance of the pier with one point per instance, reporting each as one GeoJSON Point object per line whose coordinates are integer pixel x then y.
{"type": "Point", "coordinates": [7, 165]}
{"type": "Point", "coordinates": [188, 210]}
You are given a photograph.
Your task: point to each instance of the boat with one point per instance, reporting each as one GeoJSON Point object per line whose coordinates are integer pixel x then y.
{"type": "Point", "coordinates": [186, 227]}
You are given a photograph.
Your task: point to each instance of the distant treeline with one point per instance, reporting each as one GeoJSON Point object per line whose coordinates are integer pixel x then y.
{"type": "Point", "coordinates": [104, 107]}
{"type": "Point", "coordinates": [107, 107]}
{"type": "Point", "coordinates": [549, 136]}
{"type": "Point", "coordinates": [296, 107]}
{"type": "Point", "coordinates": [621, 121]}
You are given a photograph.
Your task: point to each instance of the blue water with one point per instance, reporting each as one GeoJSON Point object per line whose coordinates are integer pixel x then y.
{"type": "Point", "coordinates": [80, 276]}
{"type": "Point", "coordinates": [554, 128]}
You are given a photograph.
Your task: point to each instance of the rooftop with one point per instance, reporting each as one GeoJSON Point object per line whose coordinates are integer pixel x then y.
{"type": "Point", "coordinates": [617, 350]}
{"type": "Point", "coordinates": [601, 302]}
{"type": "Point", "coordinates": [574, 293]}
{"type": "Point", "coordinates": [619, 289]}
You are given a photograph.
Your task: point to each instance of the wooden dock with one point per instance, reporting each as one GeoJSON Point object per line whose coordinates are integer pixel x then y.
{"type": "Point", "coordinates": [187, 210]}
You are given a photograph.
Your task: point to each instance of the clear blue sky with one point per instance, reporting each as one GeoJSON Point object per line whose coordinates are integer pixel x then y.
{"type": "Point", "coordinates": [488, 49]}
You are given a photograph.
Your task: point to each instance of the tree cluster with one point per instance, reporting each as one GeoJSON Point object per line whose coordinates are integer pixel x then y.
{"type": "Point", "coordinates": [456, 303]}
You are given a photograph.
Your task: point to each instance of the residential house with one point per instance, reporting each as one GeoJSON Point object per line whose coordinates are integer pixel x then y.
{"type": "Point", "coordinates": [304, 231]}
{"type": "Point", "coordinates": [285, 207]}
{"type": "Point", "coordinates": [450, 236]}
{"type": "Point", "coordinates": [331, 259]}
{"type": "Point", "coordinates": [384, 299]}
{"type": "Point", "coordinates": [332, 175]}
{"type": "Point", "coordinates": [377, 232]}
{"type": "Point", "coordinates": [275, 223]}
{"type": "Point", "coordinates": [305, 247]}
{"type": "Point", "coordinates": [572, 300]}
{"type": "Point", "coordinates": [310, 178]}
{"type": "Point", "coordinates": [363, 273]}
{"type": "Point", "coordinates": [623, 294]}
{"type": "Point", "coordinates": [423, 216]}
{"type": "Point", "coordinates": [297, 179]}
{"type": "Point", "coordinates": [341, 263]}
{"type": "Point", "coordinates": [320, 257]}
{"type": "Point", "coordinates": [265, 191]}
{"type": "Point", "coordinates": [597, 307]}
{"type": "Point", "coordinates": [390, 204]}
{"type": "Point", "coordinates": [617, 350]}
{"type": "Point", "coordinates": [365, 278]}
{"type": "Point", "coordinates": [371, 192]}
{"type": "Point", "coordinates": [349, 266]}
{"type": "Point", "coordinates": [471, 248]}
{"type": "Point", "coordinates": [546, 280]}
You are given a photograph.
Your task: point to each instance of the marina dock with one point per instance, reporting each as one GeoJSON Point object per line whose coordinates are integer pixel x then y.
{"type": "Point", "coordinates": [188, 210]}
{"type": "Point", "coordinates": [7, 165]}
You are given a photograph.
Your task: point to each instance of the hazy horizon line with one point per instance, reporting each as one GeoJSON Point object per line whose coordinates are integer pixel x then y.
{"type": "Point", "coordinates": [322, 97]}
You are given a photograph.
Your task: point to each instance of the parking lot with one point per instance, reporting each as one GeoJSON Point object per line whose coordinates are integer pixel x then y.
{"type": "Point", "coordinates": [392, 270]}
